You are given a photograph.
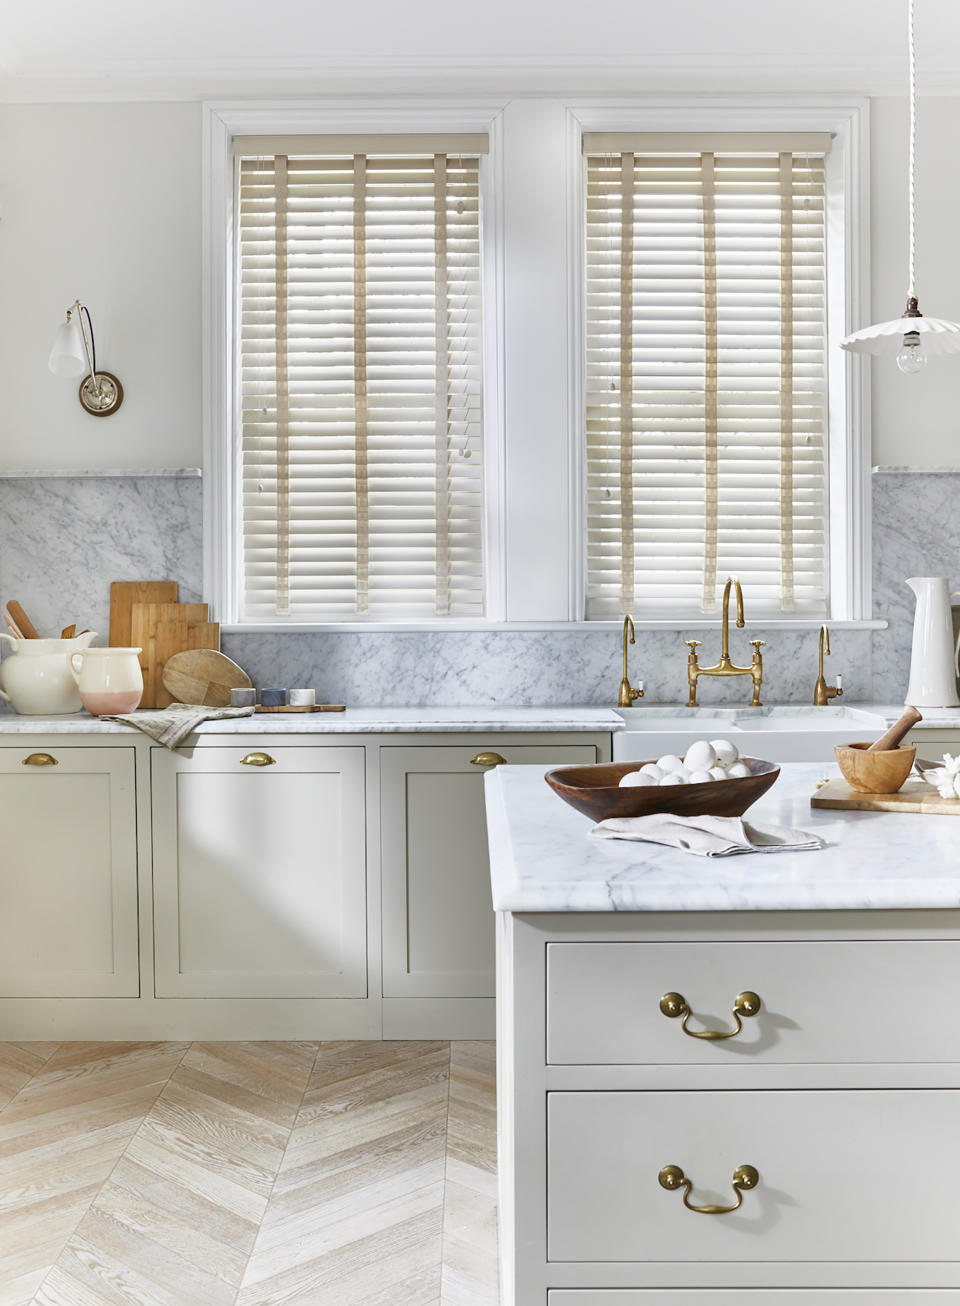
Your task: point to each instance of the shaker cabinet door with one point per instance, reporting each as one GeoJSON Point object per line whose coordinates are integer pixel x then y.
{"type": "Point", "coordinates": [260, 872]}
{"type": "Point", "coordinates": [68, 873]}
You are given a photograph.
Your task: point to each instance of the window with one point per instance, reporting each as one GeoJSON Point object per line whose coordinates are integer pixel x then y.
{"type": "Point", "coordinates": [358, 365]}
{"type": "Point", "coordinates": [706, 372]}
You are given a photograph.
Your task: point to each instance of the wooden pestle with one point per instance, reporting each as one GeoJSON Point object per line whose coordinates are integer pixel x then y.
{"type": "Point", "coordinates": [897, 731]}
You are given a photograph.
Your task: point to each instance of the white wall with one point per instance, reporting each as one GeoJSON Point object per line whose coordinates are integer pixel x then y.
{"type": "Point", "coordinates": [101, 202]}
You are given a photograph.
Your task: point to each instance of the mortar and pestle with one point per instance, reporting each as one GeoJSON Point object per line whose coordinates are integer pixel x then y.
{"type": "Point", "coordinates": [880, 768]}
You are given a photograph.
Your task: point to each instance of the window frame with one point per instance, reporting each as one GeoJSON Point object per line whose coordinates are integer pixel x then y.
{"type": "Point", "coordinates": [222, 521]}
{"type": "Point", "coordinates": [848, 305]}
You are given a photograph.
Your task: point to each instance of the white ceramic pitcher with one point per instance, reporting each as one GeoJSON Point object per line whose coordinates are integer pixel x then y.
{"type": "Point", "coordinates": [36, 680]}
{"type": "Point", "coordinates": [934, 661]}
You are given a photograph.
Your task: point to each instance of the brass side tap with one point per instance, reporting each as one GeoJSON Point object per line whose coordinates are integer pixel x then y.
{"type": "Point", "coordinates": [627, 692]}
{"type": "Point", "coordinates": [725, 667]}
{"type": "Point", "coordinates": [822, 692]}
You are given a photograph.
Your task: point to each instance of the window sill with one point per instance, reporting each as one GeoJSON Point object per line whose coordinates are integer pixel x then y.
{"type": "Point", "coordinates": [481, 627]}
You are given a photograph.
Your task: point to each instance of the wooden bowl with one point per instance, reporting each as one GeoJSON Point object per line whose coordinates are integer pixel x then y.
{"type": "Point", "coordinates": [595, 791]}
{"type": "Point", "coordinates": [882, 772]}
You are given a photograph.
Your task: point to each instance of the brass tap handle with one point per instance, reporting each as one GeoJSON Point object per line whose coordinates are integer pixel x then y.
{"type": "Point", "coordinates": [693, 645]}
{"type": "Point", "coordinates": [758, 644]}
{"type": "Point", "coordinates": [488, 759]}
{"type": "Point", "coordinates": [258, 759]}
{"type": "Point", "coordinates": [675, 1004]}
{"type": "Point", "coordinates": [40, 759]}
{"type": "Point", "coordinates": [745, 1177]}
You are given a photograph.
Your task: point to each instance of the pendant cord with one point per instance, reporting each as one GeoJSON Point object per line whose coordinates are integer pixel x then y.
{"type": "Point", "coordinates": [911, 273]}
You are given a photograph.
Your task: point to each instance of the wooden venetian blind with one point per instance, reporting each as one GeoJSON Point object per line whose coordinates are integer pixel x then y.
{"type": "Point", "coordinates": [359, 365]}
{"type": "Point", "coordinates": [706, 373]}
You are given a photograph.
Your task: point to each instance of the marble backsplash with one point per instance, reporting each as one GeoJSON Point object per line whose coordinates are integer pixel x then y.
{"type": "Point", "coordinates": [64, 538]}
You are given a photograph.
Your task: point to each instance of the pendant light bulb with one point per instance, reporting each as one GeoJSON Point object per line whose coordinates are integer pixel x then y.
{"type": "Point", "coordinates": [911, 357]}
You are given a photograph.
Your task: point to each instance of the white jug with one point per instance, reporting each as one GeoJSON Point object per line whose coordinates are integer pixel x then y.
{"type": "Point", "coordinates": [934, 662]}
{"type": "Point", "coordinates": [36, 677]}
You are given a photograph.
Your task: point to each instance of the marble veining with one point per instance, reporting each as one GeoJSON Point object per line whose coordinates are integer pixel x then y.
{"type": "Point", "coordinates": [543, 860]}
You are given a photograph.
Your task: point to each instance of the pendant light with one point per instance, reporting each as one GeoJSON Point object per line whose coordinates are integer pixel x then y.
{"type": "Point", "coordinates": [912, 337]}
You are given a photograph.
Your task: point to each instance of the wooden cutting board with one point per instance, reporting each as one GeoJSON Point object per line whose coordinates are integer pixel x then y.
{"type": "Point", "coordinates": [203, 676]}
{"type": "Point", "coordinates": [124, 594]}
{"type": "Point", "coordinates": [163, 629]}
{"type": "Point", "coordinates": [915, 796]}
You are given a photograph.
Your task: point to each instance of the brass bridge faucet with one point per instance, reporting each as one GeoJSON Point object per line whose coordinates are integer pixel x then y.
{"type": "Point", "coordinates": [822, 692]}
{"type": "Point", "coordinates": [725, 667]}
{"type": "Point", "coordinates": [627, 692]}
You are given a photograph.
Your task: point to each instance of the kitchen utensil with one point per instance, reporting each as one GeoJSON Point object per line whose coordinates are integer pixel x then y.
{"type": "Point", "coordinates": [313, 707]}
{"type": "Point", "coordinates": [36, 680]}
{"type": "Point", "coordinates": [26, 626]}
{"type": "Point", "coordinates": [68, 632]}
{"type": "Point", "coordinates": [124, 594]}
{"type": "Point", "coordinates": [12, 626]}
{"type": "Point", "coordinates": [893, 737]}
{"type": "Point", "coordinates": [205, 676]}
{"type": "Point", "coordinates": [934, 661]}
{"type": "Point", "coordinates": [274, 697]}
{"type": "Point", "coordinates": [163, 629]}
{"type": "Point", "coordinates": [303, 697]}
{"type": "Point", "coordinates": [109, 679]}
{"type": "Point", "coordinates": [594, 790]}
{"type": "Point", "coordinates": [872, 772]}
{"type": "Point", "coordinates": [915, 796]}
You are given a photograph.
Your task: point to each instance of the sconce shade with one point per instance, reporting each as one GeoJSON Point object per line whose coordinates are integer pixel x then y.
{"type": "Point", "coordinates": [67, 357]}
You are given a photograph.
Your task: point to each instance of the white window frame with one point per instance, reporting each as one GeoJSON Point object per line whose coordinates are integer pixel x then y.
{"type": "Point", "coordinates": [848, 307]}
{"type": "Point", "coordinates": [222, 525]}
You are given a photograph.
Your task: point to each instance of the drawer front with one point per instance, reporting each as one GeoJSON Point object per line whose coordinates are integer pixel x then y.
{"type": "Point", "coordinates": [820, 1002]}
{"type": "Point", "coordinates": [753, 1297]}
{"type": "Point", "coordinates": [843, 1176]}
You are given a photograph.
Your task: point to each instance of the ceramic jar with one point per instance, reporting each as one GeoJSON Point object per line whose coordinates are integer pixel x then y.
{"type": "Point", "coordinates": [109, 679]}
{"type": "Point", "coordinates": [36, 680]}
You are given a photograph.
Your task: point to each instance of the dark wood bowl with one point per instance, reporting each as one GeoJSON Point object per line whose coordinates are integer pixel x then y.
{"type": "Point", "coordinates": [595, 791]}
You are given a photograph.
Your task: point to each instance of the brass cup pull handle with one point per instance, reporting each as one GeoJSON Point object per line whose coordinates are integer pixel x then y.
{"type": "Point", "coordinates": [488, 759]}
{"type": "Point", "coordinates": [675, 1004]}
{"type": "Point", "coordinates": [40, 759]}
{"type": "Point", "coordinates": [258, 759]}
{"type": "Point", "coordinates": [745, 1177]}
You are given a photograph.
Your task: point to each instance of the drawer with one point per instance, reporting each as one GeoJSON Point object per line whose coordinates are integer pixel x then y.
{"type": "Point", "coordinates": [843, 1176]}
{"type": "Point", "coordinates": [820, 1002]}
{"type": "Point", "coordinates": [753, 1297]}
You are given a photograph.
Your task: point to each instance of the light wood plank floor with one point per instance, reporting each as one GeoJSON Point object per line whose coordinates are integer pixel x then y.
{"type": "Point", "coordinates": [248, 1174]}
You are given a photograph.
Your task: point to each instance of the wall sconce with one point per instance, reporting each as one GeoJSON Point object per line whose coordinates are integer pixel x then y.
{"type": "Point", "coordinates": [74, 353]}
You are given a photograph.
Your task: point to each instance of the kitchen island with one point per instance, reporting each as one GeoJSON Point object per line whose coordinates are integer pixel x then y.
{"type": "Point", "coordinates": [819, 1123]}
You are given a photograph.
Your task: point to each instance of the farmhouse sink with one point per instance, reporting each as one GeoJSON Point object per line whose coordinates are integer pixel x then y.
{"type": "Point", "coordinates": [788, 733]}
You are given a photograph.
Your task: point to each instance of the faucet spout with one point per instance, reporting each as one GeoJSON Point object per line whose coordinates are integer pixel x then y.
{"type": "Point", "coordinates": [725, 624]}
{"type": "Point", "coordinates": [725, 667]}
{"type": "Point", "coordinates": [627, 693]}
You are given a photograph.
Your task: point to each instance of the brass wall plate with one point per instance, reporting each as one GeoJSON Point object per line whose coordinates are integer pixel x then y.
{"type": "Point", "coordinates": [109, 398]}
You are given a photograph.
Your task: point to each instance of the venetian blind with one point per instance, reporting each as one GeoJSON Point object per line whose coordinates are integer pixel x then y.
{"type": "Point", "coordinates": [706, 373]}
{"type": "Point", "coordinates": [359, 365]}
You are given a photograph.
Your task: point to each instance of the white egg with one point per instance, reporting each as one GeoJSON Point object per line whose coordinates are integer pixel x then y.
{"type": "Point", "coordinates": [718, 773]}
{"type": "Point", "coordinates": [652, 770]}
{"type": "Point", "coordinates": [726, 752]}
{"type": "Point", "coordinates": [683, 773]}
{"type": "Point", "coordinates": [669, 762]}
{"type": "Point", "coordinates": [635, 780]}
{"type": "Point", "coordinates": [700, 756]}
{"type": "Point", "coordinates": [673, 778]}
{"type": "Point", "coordinates": [700, 778]}
{"type": "Point", "coordinates": [738, 770]}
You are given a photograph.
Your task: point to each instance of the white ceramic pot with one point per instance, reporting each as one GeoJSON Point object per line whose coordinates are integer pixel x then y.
{"type": "Point", "coordinates": [36, 680]}
{"type": "Point", "coordinates": [109, 679]}
{"type": "Point", "coordinates": [933, 659]}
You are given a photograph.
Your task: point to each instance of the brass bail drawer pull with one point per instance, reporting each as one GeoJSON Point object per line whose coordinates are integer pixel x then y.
{"type": "Point", "coordinates": [488, 759]}
{"type": "Point", "coordinates": [675, 1004]}
{"type": "Point", "coordinates": [40, 759]}
{"type": "Point", "coordinates": [258, 759]}
{"type": "Point", "coordinates": [745, 1177]}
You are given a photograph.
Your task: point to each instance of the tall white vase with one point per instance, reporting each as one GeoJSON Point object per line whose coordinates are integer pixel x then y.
{"type": "Point", "coordinates": [933, 660]}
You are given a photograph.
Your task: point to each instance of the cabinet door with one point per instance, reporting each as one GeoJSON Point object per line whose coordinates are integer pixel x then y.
{"type": "Point", "coordinates": [260, 872]}
{"type": "Point", "coordinates": [438, 920]}
{"type": "Point", "coordinates": [68, 873]}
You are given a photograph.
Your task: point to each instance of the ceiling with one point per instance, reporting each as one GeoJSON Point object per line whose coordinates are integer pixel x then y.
{"type": "Point", "coordinates": [58, 49]}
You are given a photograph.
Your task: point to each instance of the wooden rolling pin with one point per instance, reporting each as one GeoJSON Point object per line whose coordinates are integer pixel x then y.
{"type": "Point", "coordinates": [897, 731]}
{"type": "Point", "coordinates": [22, 620]}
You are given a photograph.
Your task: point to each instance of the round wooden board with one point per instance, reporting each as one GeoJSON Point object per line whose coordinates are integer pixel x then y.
{"type": "Point", "coordinates": [204, 676]}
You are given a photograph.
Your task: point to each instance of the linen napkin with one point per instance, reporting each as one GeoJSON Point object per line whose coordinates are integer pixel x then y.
{"type": "Point", "coordinates": [707, 836]}
{"type": "Point", "coordinates": [171, 725]}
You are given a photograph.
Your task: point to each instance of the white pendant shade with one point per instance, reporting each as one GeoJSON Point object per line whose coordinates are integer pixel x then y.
{"type": "Point", "coordinates": [67, 357]}
{"type": "Point", "coordinates": [937, 335]}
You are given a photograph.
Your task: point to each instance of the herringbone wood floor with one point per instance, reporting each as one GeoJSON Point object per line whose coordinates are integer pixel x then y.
{"type": "Point", "coordinates": [247, 1174]}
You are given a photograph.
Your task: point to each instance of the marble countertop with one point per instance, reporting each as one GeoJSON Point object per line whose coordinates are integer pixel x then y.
{"type": "Point", "coordinates": [543, 860]}
{"type": "Point", "coordinates": [356, 720]}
